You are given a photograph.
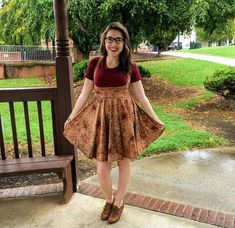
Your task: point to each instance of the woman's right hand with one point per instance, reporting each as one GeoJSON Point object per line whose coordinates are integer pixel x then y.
{"type": "Point", "coordinates": [66, 122]}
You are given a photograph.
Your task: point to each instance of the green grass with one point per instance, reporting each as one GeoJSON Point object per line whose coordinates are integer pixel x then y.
{"type": "Point", "coordinates": [180, 136]}
{"type": "Point", "coordinates": [183, 72]}
{"type": "Point", "coordinates": [192, 102]}
{"type": "Point", "coordinates": [223, 51]}
{"type": "Point", "coordinates": [21, 82]}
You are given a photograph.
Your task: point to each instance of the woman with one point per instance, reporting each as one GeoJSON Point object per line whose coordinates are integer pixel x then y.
{"type": "Point", "coordinates": [111, 126]}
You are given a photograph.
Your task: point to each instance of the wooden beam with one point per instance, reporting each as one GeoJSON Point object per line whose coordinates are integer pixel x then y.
{"type": "Point", "coordinates": [64, 77]}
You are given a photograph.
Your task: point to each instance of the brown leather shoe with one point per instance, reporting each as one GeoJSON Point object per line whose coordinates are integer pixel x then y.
{"type": "Point", "coordinates": [106, 210]}
{"type": "Point", "coordinates": [115, 214]}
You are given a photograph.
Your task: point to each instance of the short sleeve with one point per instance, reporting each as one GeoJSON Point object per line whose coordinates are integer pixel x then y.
{"type": "Point", "coordinates": [135, 73]}
{"type": "Point", "coordinates": [91, 67]}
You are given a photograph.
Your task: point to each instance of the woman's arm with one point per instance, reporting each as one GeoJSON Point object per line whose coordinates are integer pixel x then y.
{"type": "Point", "coordinates": [82, 99]}
{"type": "Point", "coordinates": [137, 91]}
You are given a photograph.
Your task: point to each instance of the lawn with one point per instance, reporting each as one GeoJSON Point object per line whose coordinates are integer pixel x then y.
{"type": "Point", "coordinates": [21, 82]}
{"type": "Point", "coordinates": [223, 51]}
{"type": "Point", "coordinates": [183, 72]}
{"type": "Point", "coordinates": [180, 136]}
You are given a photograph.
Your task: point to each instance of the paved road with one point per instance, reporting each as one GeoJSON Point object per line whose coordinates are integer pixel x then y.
{"type": "Point", "coordinates": [216, 59]}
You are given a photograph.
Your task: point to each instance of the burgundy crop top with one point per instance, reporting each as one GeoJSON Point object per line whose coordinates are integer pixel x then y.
{"type": "Point", "coordinates": [110, 77]}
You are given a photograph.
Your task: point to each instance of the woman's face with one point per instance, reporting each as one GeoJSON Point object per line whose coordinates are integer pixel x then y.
{"type": "Point", "coordinates": [114, 43]}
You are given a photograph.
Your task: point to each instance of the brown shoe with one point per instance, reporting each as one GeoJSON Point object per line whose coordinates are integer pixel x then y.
{"type": "Point", "coordinates": [115, 214]}
{"type": "Point", "coordinates": [106, 210]}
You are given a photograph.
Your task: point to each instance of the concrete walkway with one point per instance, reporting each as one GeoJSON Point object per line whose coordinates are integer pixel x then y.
{"type": "Point", "coordinates": [81, 212]}
{"type": "Point", "coordinates": [202, 179]}
{"type": "Point", "coordinates": [216, 59]}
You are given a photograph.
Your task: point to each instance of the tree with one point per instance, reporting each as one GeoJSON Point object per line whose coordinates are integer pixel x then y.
{"type": "Point", "coordinates": [85, 24]}
{"type": "Point", "coordinates": [24, 22]}
{"type": "Point", "coordinates": [223, 32]}
{"type": "Point", "coordinates": [213, 16]}
{"type": "Point", "coordinates": [156, 20]}
{"type": "Point", "coordinates": [175, 19]}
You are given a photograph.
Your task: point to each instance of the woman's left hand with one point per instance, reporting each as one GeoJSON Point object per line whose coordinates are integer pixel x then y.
{"type": "Point", "coordinates": [161, 123]}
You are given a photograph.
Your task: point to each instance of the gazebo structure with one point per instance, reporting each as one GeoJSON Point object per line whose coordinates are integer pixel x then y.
{"type": "Point", "coordinates": [61, 99]}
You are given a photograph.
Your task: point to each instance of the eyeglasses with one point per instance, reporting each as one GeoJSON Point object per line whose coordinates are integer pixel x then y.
{"type": "Point", "coordinates": [110, 40]}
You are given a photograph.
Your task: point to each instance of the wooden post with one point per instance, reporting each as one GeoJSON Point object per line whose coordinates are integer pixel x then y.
{"type": "Point", "coordinates": [64, 78]}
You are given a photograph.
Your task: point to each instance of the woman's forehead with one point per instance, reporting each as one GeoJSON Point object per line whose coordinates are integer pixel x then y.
{"type": "Point", "coordinates": [114, 33]}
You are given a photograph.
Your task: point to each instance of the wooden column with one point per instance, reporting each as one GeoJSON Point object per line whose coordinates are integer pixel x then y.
{"type": "Point", "coordinates": [64, 78]}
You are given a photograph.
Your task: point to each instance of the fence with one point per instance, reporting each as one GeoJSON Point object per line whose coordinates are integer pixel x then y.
{"type": "Point", "coordinates": [28, 53]}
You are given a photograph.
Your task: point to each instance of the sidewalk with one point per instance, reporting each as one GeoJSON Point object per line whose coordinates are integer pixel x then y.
{"type": "Point", "coordinates": [180, 190]}
{"type": "Point", "coordinates": [221, 60]}
{"type": "Point", "coordinates": [81, 212]}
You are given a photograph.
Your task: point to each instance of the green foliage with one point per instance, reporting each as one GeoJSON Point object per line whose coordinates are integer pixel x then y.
{"type": "Point", "coordinates": [175, 19]}
{"type": "Point", "coordinates": [27, 22]}
{"type": "Point", "coordinates": [79, 70]}
{"type": "Point", "coordinates": [165, 19]}
{"type": "Point", "coordinates": [144, 72]}
{"type": "Point", "coordinates": [223, 83]}
{"type": "Point", "coordinates": [223, 32]}
{"type": "Point", "coordinates": [212, 15]}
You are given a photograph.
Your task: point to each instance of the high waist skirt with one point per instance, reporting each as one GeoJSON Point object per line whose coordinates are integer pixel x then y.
{"type": "Point", "coordinates": [112, 126]}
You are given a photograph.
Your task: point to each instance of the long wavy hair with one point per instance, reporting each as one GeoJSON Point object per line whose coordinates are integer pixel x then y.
{"type": "Point", "coordinates": [125, 55]}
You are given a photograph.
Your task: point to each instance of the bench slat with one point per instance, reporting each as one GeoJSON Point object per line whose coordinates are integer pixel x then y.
{"type": "Point", "coordinates": [35, 160]}
{"type": "Point", "coordinates": [39, 106]}
{"type": "Point", "coordinates": [2, 146]}
{"type": "Point", "coordinates": [23, 168]}
{"type": "Point", "coordinates": [14, 131]}
{"type": "Point", "coordinates": [27, 125]}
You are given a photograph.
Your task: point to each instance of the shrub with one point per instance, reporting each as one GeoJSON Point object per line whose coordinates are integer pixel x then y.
{"type": "Point", "coordinates": [145, 73]}
{"type": "Point", "coordinates": [79, 70]}
{"type": "Point", "coordinates": [222, 82]}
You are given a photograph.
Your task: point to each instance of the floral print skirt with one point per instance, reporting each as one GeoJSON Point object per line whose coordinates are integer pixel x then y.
{"type": "Point", "coordinates": [112, 126]}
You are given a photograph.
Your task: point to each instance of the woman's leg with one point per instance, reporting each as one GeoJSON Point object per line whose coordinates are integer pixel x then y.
{"type": "Point", "coordinates": [123, 181]}
{"type": "Point", "coordinates": [104, 177]}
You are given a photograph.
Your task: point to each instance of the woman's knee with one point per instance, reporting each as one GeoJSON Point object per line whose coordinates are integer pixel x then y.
{"type": "Point", "coordinates": [124, 164]}
{"type": "Point", "coordinates": [103, 170]}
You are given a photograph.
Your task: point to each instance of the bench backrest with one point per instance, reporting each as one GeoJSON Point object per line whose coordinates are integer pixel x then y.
{"type": "Point", "coordinates": [11, 96]}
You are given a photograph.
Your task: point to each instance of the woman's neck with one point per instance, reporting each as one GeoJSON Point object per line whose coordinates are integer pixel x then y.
{"type": "Point", "coordinates": [112, 62]}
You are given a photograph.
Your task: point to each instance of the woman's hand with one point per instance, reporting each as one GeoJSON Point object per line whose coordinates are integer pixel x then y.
{"type": "Point", "coordinates": [66, 122]}
{"type": "Point", "coordinates": [162, 124]}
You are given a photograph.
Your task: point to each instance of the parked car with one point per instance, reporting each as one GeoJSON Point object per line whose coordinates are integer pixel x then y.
{"type": "Point", "coordinates": [175, 46]}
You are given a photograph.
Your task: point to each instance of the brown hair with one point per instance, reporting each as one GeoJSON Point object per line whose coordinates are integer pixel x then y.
{"type": "Point", "coordinates": [125, 55]}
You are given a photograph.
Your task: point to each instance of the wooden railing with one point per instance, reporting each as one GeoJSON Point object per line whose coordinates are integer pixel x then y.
{"type": "Point", "coordinates": [25, 95]}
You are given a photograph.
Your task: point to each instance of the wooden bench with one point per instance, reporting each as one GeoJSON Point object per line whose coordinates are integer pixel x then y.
{"type": "Point", "coordinates": [60, 160]}
{"type": "Point", "coordinates": [63, 158]}
{"type": "Point", "coordinates": [58, 164]}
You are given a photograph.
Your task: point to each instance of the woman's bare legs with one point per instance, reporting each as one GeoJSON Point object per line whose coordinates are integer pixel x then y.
{"type": "Point", "coordinates": [104, 177]}
{"type": "Point", "coordinates": [123, 180]}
